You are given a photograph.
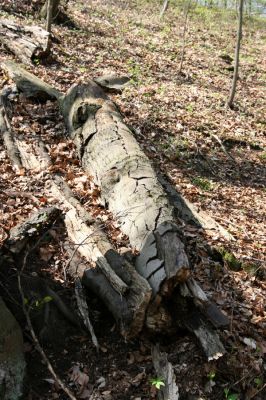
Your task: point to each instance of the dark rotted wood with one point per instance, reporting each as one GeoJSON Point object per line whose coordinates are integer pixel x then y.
{"type": "Point", "coordinates": [31, 227]}
{"type": "Point", "coordinates": [26, 42]}
{"type": "Point", "coordinates": [206, 306]}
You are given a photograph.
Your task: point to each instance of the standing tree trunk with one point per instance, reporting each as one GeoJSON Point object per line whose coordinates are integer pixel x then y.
{"type": "Point", "coordinates": [184, 36]}
{"type": "Point", "coordinates": [164, 7]}
{"type": "Point", "coordinates": [49, 15]}
{"type": "Point", "coordinates": [237, 52]}
{"type": "Point", "coordinates": [53, 6]}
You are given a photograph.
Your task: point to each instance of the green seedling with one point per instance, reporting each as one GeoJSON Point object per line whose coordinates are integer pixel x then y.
{"type": "Point", "coordinates": [157, 382]}
{"type": "Point", "coordinates": [230, 396]}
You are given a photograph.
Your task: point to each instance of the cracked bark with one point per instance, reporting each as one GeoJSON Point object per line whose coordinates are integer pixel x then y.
{"type": "Point", "coordinates": [109, 152]}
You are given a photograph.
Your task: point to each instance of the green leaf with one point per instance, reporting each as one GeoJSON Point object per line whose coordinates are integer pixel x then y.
{"type": "Point", "coordinates": [159, 384]}
{"type": "Point", "coordinates": [233, 396]}
{"type": "Point", "coordinates": [46, 299]}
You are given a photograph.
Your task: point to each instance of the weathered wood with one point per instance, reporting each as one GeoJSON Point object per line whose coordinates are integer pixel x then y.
{"type": "Point", "coordinates": [125, 292]}
{"type": "Point", "coordinates": [207, 307]}
{"type": "Point", "coordinates": [32, 226]}
{"type": "Point", "coordinates": [29, 84]}
{"type": "Point", "coordinates": [83, 309]}
{"type": "Point", "coordinates": [113, 82]}
{"type": "Point", "coordinates": [129, 187]}
{"type": "Point", "coordinates": [165, 372]}
{"type": "Point", "coordinates": [6, 132]}
{"type": "Point", "coordinates": [26, 42]}
{"type": "Point", "coordinates": [114, 280]}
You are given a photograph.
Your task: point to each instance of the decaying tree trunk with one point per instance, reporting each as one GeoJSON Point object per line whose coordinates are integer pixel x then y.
{"type": "Point", "coordinates": [132, 192]}
{"type": "Point", "coordinates": [26, 42]}
{"type": "Point", "coordinates": [129, 187]}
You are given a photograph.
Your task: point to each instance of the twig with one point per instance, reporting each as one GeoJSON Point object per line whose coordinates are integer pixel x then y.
{"type": "Point", "coordinates": [32, 332]}
{"type": "Point", "coordinates": [218, 140]}
{"type": "Point", "coordinates": [83, 308]}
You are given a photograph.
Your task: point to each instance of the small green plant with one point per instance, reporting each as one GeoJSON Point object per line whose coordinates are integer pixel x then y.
{"type": "Point", "coordinates": [203, 184]}
{"type": "Point", "coordinates": [157, 382]}
{"type": "Point", "coordinates": [258, 382]}
{"type": "Point", "coordinates": [36, 61]}
{"type": "Point", "coordinates": [37, 303]}
{"type": "Point", "coordinates": [211, 375]}
{"type": "Point", "coordinates": [230, 396]}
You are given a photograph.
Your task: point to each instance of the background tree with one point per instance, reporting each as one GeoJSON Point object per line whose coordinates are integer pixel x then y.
{"type": "Point", "coordinates": [237, 52]}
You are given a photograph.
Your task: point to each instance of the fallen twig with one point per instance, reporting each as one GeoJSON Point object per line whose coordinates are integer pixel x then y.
{"type": "Point", "coordinates": [83, 308]}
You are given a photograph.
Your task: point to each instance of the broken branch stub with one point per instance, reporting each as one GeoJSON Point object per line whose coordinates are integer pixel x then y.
{"type": "Point", "coordinates": [129, 186]}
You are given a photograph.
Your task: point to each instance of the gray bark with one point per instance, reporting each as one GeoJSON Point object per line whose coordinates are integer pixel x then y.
{"type": "Point", "coordinates": [129, 186]}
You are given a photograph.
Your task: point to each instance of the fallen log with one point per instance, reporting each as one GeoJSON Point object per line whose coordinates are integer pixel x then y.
{"type": "Point", "coordinates": [26, 42]}
{"type": "Point", "coordinates": [130, 189]}
{"type": "Point", "coordinates": [12, 362]}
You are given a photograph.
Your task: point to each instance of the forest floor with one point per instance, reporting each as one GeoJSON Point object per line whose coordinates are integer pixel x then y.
{"type": "Point", "coordinates": [176, 118]}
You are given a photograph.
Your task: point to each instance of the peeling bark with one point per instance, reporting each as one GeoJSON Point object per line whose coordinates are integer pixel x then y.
{"type": "Point", "coordinates": [26, 42]}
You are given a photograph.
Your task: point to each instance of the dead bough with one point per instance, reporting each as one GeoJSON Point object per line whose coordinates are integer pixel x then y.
{"type": "Point", "coordinates": [131, 191]}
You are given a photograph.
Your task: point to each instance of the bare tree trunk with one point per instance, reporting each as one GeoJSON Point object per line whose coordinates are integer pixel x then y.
{"type": "Point", "coordinates": [164, 7]}
{"type": "Point", "coordinates": [184, 36]}
{"type": "Point", "coordinates": [237, 52]}
{"type": "Point", "coordinates": [54, 4]}
{"type": "Point", "coordinates": [49, 15]}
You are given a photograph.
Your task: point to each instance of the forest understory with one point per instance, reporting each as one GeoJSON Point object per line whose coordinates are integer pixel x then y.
{"type": "Point", "coordinates": [214, 156]}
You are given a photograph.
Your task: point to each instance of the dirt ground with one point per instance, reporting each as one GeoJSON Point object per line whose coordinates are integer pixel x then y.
{"type": "Point", "coordinates": [177, 118]}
